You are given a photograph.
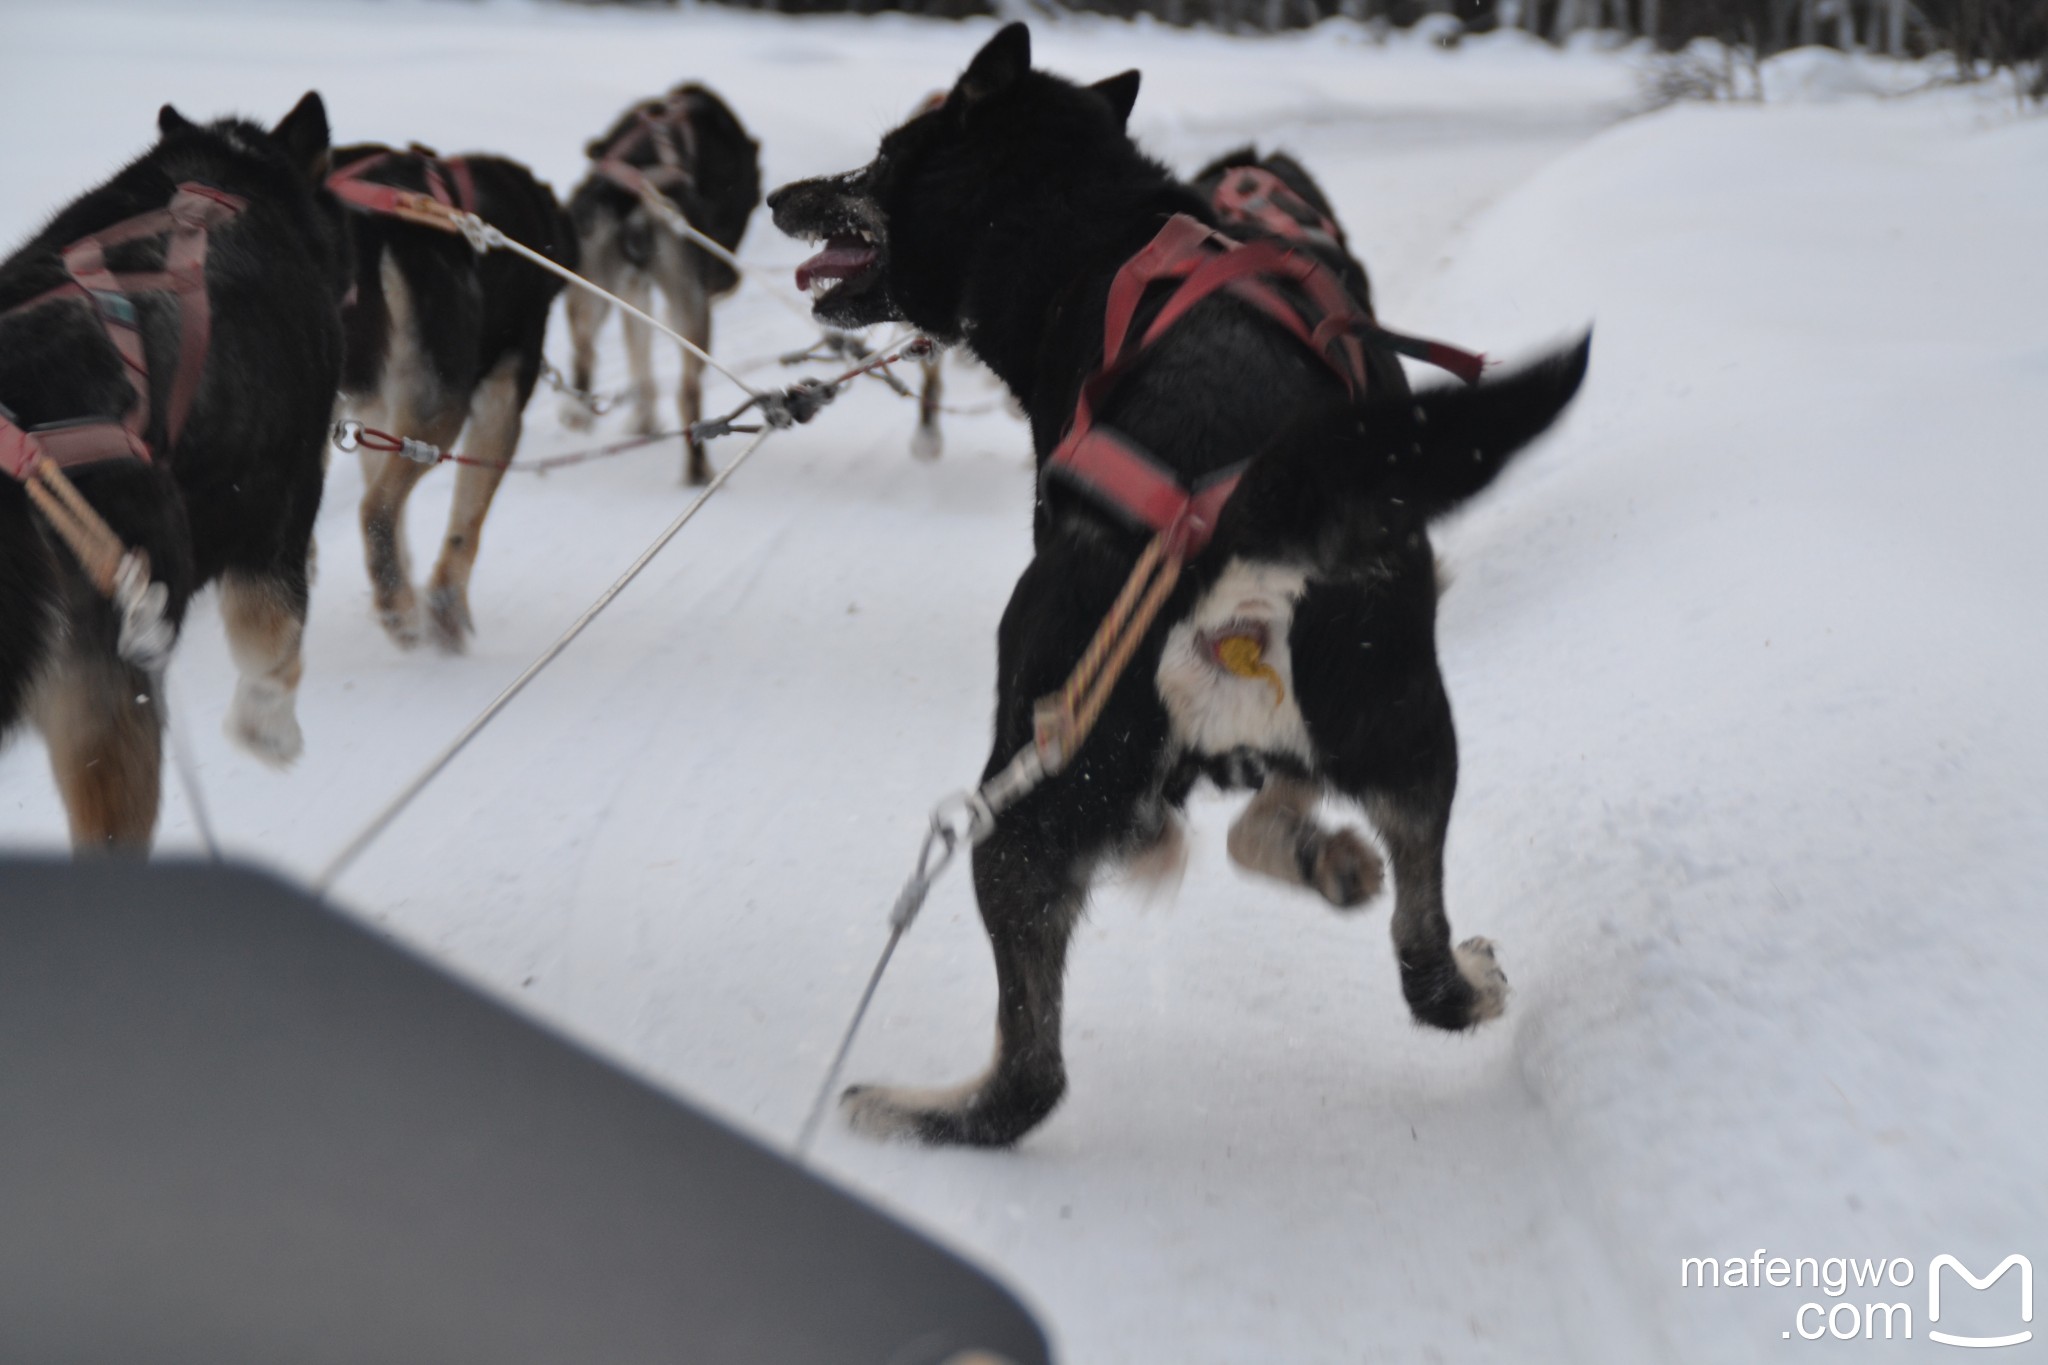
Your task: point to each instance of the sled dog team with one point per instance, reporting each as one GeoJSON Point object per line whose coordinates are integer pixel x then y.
{"type": "Point", "coordinates": [1199, 363]}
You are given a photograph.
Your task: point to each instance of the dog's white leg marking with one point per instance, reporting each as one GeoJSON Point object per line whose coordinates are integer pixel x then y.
{"type": "Point", "coordinates": [493, 437]}
{"type": "Point", "coordinates": [895, 1112]}
{"type": "Point", "coordinates": [1277, 836]}
{"type": "Point", "coordinates": [690, 314]}
{"type": "Point", "coordinates": [1475, 959]}
{"type": "Point", "coordinates": [1214, 710]}
{"type": "Point", "coordinates": [587, 312]}
{"type": "Point", "coordinates": [407, 392]}
{"type": "Point", "coordinates": [265, 630]}
{"type": "Point", "coordinates": [636, 289]}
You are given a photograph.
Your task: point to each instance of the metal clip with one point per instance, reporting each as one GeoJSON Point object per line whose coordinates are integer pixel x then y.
{"type": "Point", "coordinates": [797, 404]}
{"type": "Point", "coordinates": [480, 235]}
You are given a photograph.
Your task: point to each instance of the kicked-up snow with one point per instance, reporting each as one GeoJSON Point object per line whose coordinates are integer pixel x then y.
{"type": "Point", "coordinates": [1745, 659]}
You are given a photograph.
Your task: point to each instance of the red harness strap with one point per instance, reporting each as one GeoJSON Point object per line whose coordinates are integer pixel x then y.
{"type": "Point", "coordinates": [668, 129]}
{"type": "Point", "coordinates": [1117, 471]}
{"type": "Point", "coordinates": [1255, 196]}
{"type": "Point", "coordinates": [194, 210]}
{"type": "Point", "coordinates": [349, 185]}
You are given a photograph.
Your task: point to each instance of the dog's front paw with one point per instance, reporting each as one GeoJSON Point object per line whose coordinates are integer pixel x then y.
{"type": "Point", "coordinates": [448, 619]}
{"type": "Point", "coordinates": [263, 721]}
{"type": "Point", "coordinates": [926, 443]}
{"type": "Point", "coordinates": [1483, 974]}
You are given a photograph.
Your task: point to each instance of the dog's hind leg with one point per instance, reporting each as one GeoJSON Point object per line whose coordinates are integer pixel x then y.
{"type": "Point", "coordinates": [1277, 836]}
{"type": "Point", "coordinates": [265, 616]}
{"type": "Point", "coordinates": [690, 314]}
{"type": "Point", "coordinates": [634, 288]}
{"type": "Point", "coordinates": [1373, 701]}
{"type": "Point", "coordinates": [587, 312]}
{"type": "Point", "coordinates": [104, 729]}
{"type": "Point", "coordinates": [1030, 899]}
{"type": "Point", "coordinates": [1446, 987]}
{"type": "Point", "coordinates": [492, 439]}
{"type": "Point", "coordinates": [383, 517]}
{"type": "Point", "coordinates": [926, 442]}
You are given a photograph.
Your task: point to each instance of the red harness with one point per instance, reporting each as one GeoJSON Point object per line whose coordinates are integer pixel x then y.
{"type": "Point", "coordinates": [1120, 473]}
{"type": "Point", "coordinates": [666, 128]}
{"type": "Point", "coordinates": [449, 184]}
{"type": "Point", "coordinates": [194, 210]}
{"type": "Point", "coordinates": [1254, 196]}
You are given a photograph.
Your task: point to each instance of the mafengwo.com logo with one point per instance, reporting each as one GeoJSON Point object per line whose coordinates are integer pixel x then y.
{"type": "Point", "coordinates": [1873, 1299]}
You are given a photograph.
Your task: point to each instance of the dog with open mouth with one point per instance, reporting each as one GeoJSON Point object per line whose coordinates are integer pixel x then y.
{"type": "Point", "coordinates": [1296, 655]}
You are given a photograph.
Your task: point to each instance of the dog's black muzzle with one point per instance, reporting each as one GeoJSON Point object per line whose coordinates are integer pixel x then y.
{"type": "Point", "coordinates": [846, 278]}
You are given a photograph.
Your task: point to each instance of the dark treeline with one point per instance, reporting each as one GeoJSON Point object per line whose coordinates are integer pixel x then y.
{"type": "Point", "coordinates": [1997, 34]}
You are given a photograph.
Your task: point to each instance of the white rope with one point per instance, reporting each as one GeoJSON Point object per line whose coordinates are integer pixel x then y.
{"type": "Point", "coordinates": [672, 217]}
{"type": "Point", "coordinates": [483, 236]}
{"type": "Point", "coordinates": [355, 847]}
{"type": "Point", "coordinates": [188, 768]}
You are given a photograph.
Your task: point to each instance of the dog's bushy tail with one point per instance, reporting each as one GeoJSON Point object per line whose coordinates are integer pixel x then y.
{"type": "Point", "coordinates": [1456, 441]}
{"type": "Point", "coordinates": [1387, 466]}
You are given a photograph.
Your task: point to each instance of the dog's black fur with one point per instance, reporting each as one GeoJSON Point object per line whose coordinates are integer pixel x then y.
{"type": "Point", "coordinates": [232, 501]}
{"type": "Point", "coordinates": [626, 251]}
{"type": "Point", "coordinates": [1001, 219]}
{"type": "Point", "coordinates": [1384, 375]}
{"type": "Point", "coordinates": [440, 338]}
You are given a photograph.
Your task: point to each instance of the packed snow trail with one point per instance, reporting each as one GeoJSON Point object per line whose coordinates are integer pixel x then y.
{"type": "Point", "coordinates": [680, 845]}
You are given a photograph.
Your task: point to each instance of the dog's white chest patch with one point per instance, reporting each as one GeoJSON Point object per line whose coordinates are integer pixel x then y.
{"type": "Point", "coordinates": [1226, 675]}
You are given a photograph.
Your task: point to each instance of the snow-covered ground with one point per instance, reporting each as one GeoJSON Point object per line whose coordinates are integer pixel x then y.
{"type": "Point", "coordinates": [1746, 660]}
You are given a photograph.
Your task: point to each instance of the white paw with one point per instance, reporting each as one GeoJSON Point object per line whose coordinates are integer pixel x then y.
{"type": "Point", "coordinates": [880, 1111]}
{"type": "Point", "coordinates": [401, 623]}
{"type": "Point", "coordinates": [926, 443]}
{"type": "Point", "coordinates": [1488, 982]}
{"type": "Point", "coordinates": [263, 721]}
{"type": "Point", "coordinates": [448, 619]}
{"type": "Point", "coordinates": [1348, 872]}
{"type": "Point", "coordinates": [576, 415]}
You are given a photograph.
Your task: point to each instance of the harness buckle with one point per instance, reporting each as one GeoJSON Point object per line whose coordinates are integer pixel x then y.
{"type": "Point", "coordinates": [116, 307]}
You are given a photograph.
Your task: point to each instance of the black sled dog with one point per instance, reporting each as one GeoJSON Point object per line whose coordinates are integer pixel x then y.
{"type": "Point", "coordinates": [1296, 655]}
{"type": "Point", "coordinates": [440, 339]}
{"type": "Point", "coordinates": [692, 150]}
{"type": "Point", "coordinates": [171, 340]}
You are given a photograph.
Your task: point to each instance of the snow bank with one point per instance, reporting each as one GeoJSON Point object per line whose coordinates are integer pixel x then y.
{"type": "Point", "coordinates": [1746, 664]}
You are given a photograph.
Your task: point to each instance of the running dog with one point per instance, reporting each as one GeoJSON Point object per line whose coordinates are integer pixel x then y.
{"type": "Point", "coordinates": [1274, 196]}
{"type": "Point", "coordinates": [170, 339]}
{"type": "Point", "coordinates": [1295, 657]}
{"type": "Point", "coordinates": [691, 150]}
{"type": "Point", "coordinates": [441, 338]}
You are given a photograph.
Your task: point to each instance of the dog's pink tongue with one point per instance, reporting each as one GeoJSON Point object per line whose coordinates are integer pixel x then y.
{"type": "Point", "coordinates": [842, 259]}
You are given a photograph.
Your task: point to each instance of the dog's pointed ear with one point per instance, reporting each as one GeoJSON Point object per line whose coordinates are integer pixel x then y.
{"type": "Point", "coordinates": [1121, 91]}
{"type": "Point", "coordinates": [169, 120]}
{"type": "Point", "coordinates": [303, 135]}
{"type": "Point", "coordinates": [998, 66]}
